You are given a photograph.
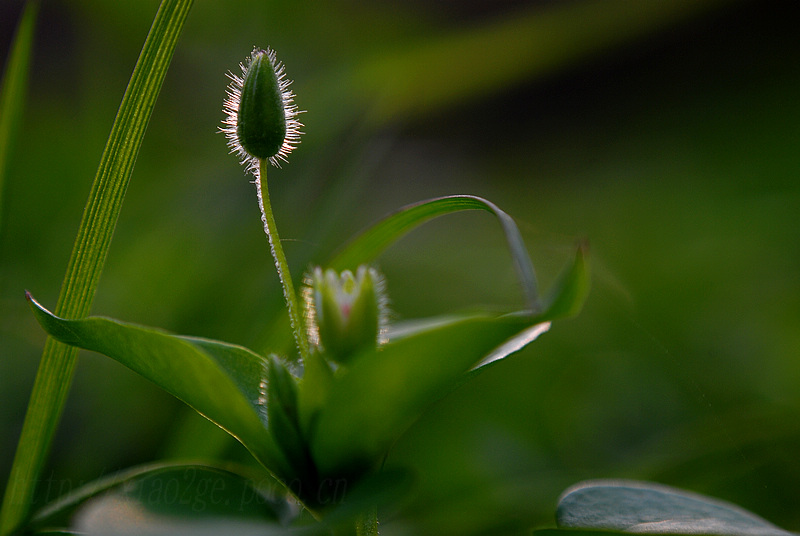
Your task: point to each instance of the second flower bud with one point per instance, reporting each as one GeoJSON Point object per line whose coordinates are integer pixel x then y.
{"type": "Point", "coordinates": [345, 312]}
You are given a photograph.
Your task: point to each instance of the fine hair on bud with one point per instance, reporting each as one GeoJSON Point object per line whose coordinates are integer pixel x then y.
{"type": "Point", "coordinates": [345, 313]}
{"type": "Point", "coordinates": [261, 117]}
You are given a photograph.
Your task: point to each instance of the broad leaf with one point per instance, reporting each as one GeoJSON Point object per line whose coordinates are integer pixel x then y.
{"type": "Point", "coordinates": [632, 506]}
{"type": "Point", "coordinates": [169, 499]}
{"type": "Point", "coordinates": [369, 404]}
{"type": "Point", "coordinates": [384, 391]}
{"type": "Point", "coordinates": [219, 380]}
{"type": "Point", "coordinates": [577, 532]}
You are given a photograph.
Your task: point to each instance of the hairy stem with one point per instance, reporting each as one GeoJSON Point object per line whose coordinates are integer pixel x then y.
{"type": "Point", "coordinates": [295, 317]}
{"type": "Point", "coordinates": [367, 523]}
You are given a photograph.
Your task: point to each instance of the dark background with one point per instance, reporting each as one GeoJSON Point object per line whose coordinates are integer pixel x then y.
{"type": "Point", "coordinates": [665, 133]}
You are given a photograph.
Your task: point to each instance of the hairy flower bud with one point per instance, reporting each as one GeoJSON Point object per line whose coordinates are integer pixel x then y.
{"type": "Point", "coordinates": [346, 312]}
{"type": "Point", "coordinates": [261, 119]}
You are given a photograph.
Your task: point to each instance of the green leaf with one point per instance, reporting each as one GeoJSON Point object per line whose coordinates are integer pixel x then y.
{"type": "Point", "coordinates": [368, 245]}
{"type": "Point", "coordinates": [282, 412]}
{"type": "Point", "coordinates": [370, 404]}
{"type": "Point", "coordinates": [174, 496]}
{"type": "Point", "coordinates": [13, 87]}
{"type": "Point", "coordinates": [169, 499]}
{"type": "Point", "coordinates": [633, 506]}
{"type": "Point", "coordinates": [577, 532]}
{"type": "Point", "coordinates": [374, 400]}
{"type": "Point", "coordinates": [566, 297]}
{"type": "Point", "coordinates": [219, 380]}
{"type": "Point", "coordinates": [372, 242]}
{"type": "Point", "coordinates": [86, 262]}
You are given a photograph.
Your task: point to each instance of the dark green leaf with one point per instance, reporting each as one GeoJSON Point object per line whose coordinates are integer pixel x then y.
{"type": "Point", "coordinates": [367, 246]}
{"type": "Point", "coordinates": [632, 506]}
{"type": "Point", "coordinates": [373, 401]}
{"type": "Point", "coordinates": [221, 381]}
{"type": "Point", "coordinates": [282, 412]}
{"type": "Point", "coordinates": [565, 299]}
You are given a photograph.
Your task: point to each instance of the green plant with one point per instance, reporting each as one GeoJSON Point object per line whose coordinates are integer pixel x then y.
{"type": "Point", "coordinates": [310, 426]}
{"type": "Point", "coordinates": [322, 424]}
{"type": "Point", "coordinates": [304, 418]}
{"type": "Point", "coordinates": [89, 253]}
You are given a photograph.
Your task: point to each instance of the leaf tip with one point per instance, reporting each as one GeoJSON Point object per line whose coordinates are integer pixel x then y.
{"type": "Point", "coordinates": [37, 308]}
{"type": "Point", "coordinates": [567, 296]}
{"type": "Point", "coordinates": [54, 326]}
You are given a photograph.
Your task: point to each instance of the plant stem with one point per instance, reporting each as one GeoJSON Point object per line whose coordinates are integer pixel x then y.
{"type": "Point", "coordinates": [295, 318]}
{"type": "Point", "coordinates": [367, 523]}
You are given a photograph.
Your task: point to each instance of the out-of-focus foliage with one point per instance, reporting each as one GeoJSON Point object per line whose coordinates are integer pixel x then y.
{"type": "Point", "coordinates": [672, 148]}
{"type": "Point", "coordinates": [634, 506]}
{"type": "Point", "coordinates": [13, 85]}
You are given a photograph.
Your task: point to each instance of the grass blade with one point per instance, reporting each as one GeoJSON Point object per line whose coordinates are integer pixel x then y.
{"type": "Point", "coordinates": [377, 238]}
{"type": "Point", "coordinates": [88, 256]}
{"type": "Point", "coordinates": [13, 86]}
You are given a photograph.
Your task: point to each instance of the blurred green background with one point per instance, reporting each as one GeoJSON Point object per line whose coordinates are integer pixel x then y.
{"type": "Point", "coordinates": [667, 133]}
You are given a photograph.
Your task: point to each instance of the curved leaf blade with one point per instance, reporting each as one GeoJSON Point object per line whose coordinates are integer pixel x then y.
{"type": "Point", "coordinates": [566, 297]}
{"type": "Point", "coordinates": [219, 380]}
{"type": "Point", "coordinates": [372, 242]}
{"type": "Point", "coordinates": [633, 506]}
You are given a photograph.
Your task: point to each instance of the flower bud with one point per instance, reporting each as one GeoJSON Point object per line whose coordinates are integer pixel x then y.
{"type": "Point", "coordinates": [346, 312]}
{"type": "Point", "coordinates": [261, 119]}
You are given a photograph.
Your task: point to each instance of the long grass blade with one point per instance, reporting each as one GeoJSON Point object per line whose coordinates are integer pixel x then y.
{"type": "Point", "coordinates": [88, 256]}
{"type": "Point", "coordinates": [13, 88]}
